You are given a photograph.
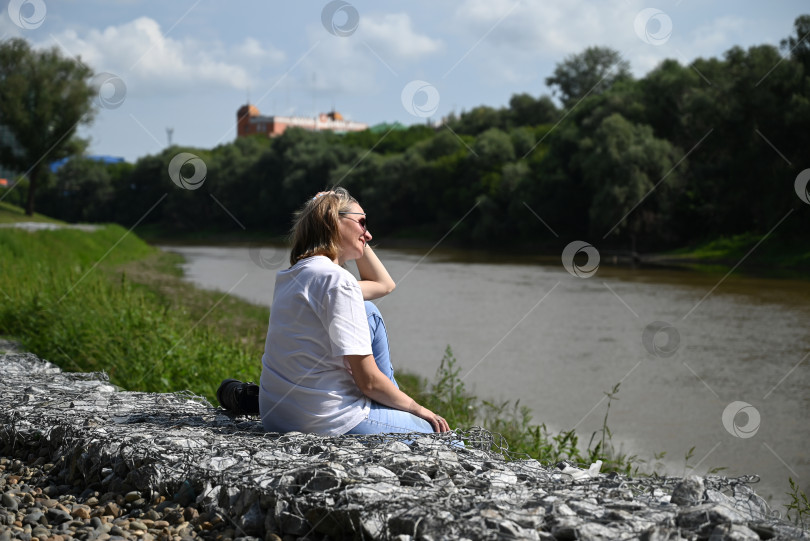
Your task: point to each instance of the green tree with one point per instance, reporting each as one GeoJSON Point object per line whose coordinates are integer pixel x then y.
{"type": "Point", "coordinates": [527, 111]}
{"type": "Point", "coordinates": [625, 167]}
{"type": "Point", "coordinates": [43, 99]}
{"type": "Point", "coordinates": [590, 72]}
{"type": "Point", "coordinates": [798, 45]}
{"type": "Point", "coordinates": [82, 192]}
{"type": "Point", "coordinates": [479, 119]}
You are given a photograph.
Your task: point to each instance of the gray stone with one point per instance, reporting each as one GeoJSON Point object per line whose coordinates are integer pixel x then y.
{"type": "Point", "coordinates": [565, 528]}
{"type": "Point", "coordinates": [137, 525]}
{"type": "Point", "coordinates": [33, 517]}
{"type": "Point", "coordinates": [733, 532]}
{"type": "Point", "coordinates": [9, 502]}
{"type": "Point", "coordinates": [703, 518]}
{"type": "Point", "coordinates": [40, 532]}
{"type": "Point", "coordinates": [689, 491]}
{"type": "Point", "coordinates": [293, 524]}
{"type": "Point", "coordinates": [661, 533]}
{"type": "Point", "coordinates": [591, 531]}
{"type": "Point", "coordinates": [58, 516]}
{"type": "Point", "coordinates": [414, 478]}
{"type": "Point", "coordinates": [370, 472]}
{"type": "Point", "coordinates": [252, 522]}
{"type": "Point", "coordinates": [320, 479]}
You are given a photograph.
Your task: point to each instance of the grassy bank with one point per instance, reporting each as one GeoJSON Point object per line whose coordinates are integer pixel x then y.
{"type": "Point", "coordinates": [12, 213]}
{"type": "Point", "coordinates": [70, 297]}
{"type": "Point", "coordinates": [757, 255]}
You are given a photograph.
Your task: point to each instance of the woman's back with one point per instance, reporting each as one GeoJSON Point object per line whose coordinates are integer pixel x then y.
{"type": "Point", "coordinates": [318, 316]}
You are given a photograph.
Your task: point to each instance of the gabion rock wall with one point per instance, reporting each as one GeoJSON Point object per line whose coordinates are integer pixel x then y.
{"type": "Point", "coordinates": [176, 454]}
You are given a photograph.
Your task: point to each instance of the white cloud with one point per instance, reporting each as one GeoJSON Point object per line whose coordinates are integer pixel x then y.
{"type": "Point", "coordinates": [538, 28]}
{"type": "Point", "coordinates": [251, 49]}
{"type": "Point", "coordinates": [367, 60]}
{"type": "Point", "coordinates": [392, 36]}
{"type": "Point", "coordinates": [511, 40]}
{"type": "Point", "coordinates": [338, 65]}
{"type": "Point", "coordinates": [152, 63]}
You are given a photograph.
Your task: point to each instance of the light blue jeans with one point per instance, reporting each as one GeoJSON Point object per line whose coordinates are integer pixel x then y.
{"type": "Point", "coordinates": [382, 419]}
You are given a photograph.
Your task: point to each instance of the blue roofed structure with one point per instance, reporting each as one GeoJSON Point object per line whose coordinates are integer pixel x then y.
{"type": "Point", "coordinates": [55, 166]}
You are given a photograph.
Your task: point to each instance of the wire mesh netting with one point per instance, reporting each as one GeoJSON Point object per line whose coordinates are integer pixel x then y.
{"type": "Point", "coordinates": [462, 484]}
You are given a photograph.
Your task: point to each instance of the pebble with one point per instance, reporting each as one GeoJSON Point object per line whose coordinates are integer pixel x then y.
{"type": "Point", "coordinates": [112, 509]}
{"type": "Point", "coordinates": [138, 525]}
{"type": "Point", "coordinates": [81, 513]}
{"type": "Point", "coordinates": [9, 502]}
{"type": "Point", "coordinates": [39, 509]}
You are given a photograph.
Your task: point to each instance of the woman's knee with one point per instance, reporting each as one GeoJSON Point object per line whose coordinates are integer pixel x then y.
{"type": "Point", "coordinates": [372, 310]}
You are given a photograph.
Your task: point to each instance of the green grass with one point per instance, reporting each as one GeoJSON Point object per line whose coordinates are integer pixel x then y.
{"type": "Point", "coordinates": [67, 297]}
{"type": "Point", "coordinates": [447, 395]}
{"type": "Point", "coordinates": [798, 509]}
{"type": "Point", "coordinates": [766, 256]}
{"type": "Point", "coordinates": [11, 213]}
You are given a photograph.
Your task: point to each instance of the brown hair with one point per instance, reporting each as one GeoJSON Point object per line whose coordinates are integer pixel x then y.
{"type": "Point", "coordinates": [315, 228]}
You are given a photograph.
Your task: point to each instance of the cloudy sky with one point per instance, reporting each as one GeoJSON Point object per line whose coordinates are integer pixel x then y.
{"type": "Point", "coordinates": [189, 64]}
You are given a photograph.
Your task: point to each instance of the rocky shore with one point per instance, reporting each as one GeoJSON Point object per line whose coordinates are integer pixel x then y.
{"type": "Point", "coordinates": [80, 459]}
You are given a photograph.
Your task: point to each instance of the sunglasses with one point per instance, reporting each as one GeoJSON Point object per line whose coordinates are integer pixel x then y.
{"type": "Point", "coordinates": [361, 221]}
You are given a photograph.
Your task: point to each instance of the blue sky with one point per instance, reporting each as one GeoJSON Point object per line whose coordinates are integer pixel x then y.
{"type": "Point", "coordinates": [189, 64]}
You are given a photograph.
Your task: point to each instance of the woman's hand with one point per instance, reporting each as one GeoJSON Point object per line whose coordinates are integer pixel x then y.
{"type": "Point", "coordinates": [375, 385]}
{"type": "Point", "coordinates": [438, 423]}
{"type": "Point", "coordinates": [375, 282]}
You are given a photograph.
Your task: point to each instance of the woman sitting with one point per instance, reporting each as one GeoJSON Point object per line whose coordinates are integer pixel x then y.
{"type": "Point", "coordinates": [326, 367]}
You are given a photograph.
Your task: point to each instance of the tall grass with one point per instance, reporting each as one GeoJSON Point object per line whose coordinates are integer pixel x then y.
{"type": "Point", "coordinates": [447, 395]}
{"type": "Point", "coordinates": [63, 300]}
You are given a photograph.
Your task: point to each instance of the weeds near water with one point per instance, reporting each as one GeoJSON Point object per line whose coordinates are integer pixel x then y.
{"type": "Point", "coordinates": [688, 456]}
{"type": "Point", "coordinates": [798, 509]}
{"type": "Point", "coordinates": [449, 397]}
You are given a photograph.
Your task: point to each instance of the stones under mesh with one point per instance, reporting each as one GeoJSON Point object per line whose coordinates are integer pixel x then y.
{"type": "Point", "coordinates": [364, 487]}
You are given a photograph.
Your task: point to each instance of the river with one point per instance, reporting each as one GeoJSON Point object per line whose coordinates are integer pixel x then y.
{"type": "Point", "coordinates": [717, 363]}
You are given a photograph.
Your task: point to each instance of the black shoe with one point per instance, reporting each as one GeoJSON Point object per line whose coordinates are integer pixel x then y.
{"type": "Point", "coordinates": [238, 397]}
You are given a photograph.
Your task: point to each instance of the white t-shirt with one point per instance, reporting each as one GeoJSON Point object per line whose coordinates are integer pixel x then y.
{"type": "Point", "coordinates": [317, 317]}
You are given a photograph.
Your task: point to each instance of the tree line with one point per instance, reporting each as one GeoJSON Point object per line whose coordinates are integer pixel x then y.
{"type": "Point", "coordinates": [683, 154]}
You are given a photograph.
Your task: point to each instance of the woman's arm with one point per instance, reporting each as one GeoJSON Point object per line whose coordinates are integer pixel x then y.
{"type": "Point", "coordinates": [375, 385]}
{"type": "Point", "coordinates": [375, 282]}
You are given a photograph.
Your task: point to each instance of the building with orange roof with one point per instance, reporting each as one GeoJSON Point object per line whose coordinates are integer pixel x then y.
{"type": "Point", "coordinates": [249, 121]}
